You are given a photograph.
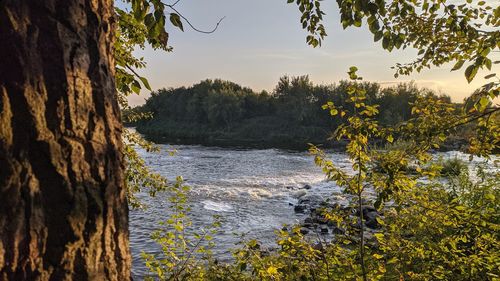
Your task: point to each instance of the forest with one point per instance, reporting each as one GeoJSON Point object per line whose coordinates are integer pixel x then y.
{"type": "Point", "coordinates": [217, 112]}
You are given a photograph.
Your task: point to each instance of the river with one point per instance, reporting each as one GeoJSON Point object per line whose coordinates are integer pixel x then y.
{"type": "Point", "coordinates": [252, 190]}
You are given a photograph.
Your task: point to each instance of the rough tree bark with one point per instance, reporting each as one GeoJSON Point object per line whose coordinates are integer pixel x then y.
{"type": "Point", "coordinates": [63, 210]}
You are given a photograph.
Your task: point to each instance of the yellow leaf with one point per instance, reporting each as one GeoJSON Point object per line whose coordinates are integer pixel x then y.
{"type": "Point", "coordinates": [272, 270]}
{"type": "Point", "coordinates": [490, 197]}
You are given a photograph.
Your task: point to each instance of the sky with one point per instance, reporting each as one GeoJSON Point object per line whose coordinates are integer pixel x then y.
{"type": "Point", "coordinates": [261, 40]}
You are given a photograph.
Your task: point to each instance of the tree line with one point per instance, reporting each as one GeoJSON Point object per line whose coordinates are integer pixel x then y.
{"type": "Point", "coordinates": [218, 112]}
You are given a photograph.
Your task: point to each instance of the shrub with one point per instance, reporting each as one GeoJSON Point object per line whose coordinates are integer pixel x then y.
{"type": "Point", "coordinates": [452, 167]}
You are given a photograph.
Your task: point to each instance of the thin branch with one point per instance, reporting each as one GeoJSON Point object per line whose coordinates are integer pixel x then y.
{"type": "Point", "coordinates": [190, 24]}
{"type": "Point", "coordinates": [466, 121]}
{"type": "Point", "coordinates": [324, 245]}
{"type": "Point", "coordinates": [361, 224]}
{"type": "Point", "coordinates": [133, 71]}
{"type": "Point", "coordinates": [175, 3]}
{"type": "Point", "coordinates": [186, 260]}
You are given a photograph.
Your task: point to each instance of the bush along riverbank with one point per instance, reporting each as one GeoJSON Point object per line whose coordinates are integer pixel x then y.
{"type": "Point", "coordinates": [222, 113]}
{"type": "Point", "coordinates": [432, 232]}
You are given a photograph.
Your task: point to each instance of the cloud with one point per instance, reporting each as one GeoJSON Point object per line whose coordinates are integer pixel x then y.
{"type": "Point", "coordinates": [420, 83]}
{"type": "Point", "coordinates": [342, 55]}
{"type": "Point", "coordinates": [279, 55]}
{"type": "Point", "coordinates": [452, 88]}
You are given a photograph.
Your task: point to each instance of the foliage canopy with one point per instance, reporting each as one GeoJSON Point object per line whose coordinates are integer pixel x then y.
{"type": "Point", "coordinates": [443, 31]}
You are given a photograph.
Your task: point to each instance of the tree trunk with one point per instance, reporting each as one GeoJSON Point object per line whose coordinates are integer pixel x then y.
{"type": "Point", "coordinates": [63, 208]}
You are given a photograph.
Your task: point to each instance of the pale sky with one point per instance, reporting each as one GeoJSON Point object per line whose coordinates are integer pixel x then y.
{"type": "Point", "coordinates": [262, 40]}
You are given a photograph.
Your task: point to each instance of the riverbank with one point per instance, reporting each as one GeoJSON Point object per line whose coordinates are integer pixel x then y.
{"type": "Point", "coordinates": [260, 132]}
{"type": "Point", "coordinates": [266, 138]}
{"type": "Point", "coordinates": [228, 141]}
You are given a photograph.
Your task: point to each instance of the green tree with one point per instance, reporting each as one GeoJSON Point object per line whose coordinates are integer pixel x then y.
{"type": "Point", "coordinates": [294, 96]}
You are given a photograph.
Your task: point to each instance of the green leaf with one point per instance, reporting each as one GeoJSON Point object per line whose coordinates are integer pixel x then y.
{"type": "Point", "coordinates": [136, 87]}
{"type": "Point", "coordinates": [490, 197]}
{"type": "Point", "coordinates": [490, 76]}
{"type": "Point", "coordinates": [484, 102]}
{"type": "Point", "coordinates": [458, 65]}
{"type": "Point", "coordinates": [352, 73]}
{"type": "Point", "coordinates": [145, 82]}
{"type": "Point", "coordinates": [385, 42]}
{"type": "Point", "coordinates": [487, 63]}
{"type": "Point", "coordinates": [378, 36]}
{"type": "Point", "coordinates": [470, 72]}
{"type": "Point", "coordinates": [175, 19]}
{"type": "Point", "coordinates": [149, 20]}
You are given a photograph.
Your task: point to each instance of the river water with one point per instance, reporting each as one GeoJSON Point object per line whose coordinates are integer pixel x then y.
{"type": "Point", "coordinates": [252, 190]}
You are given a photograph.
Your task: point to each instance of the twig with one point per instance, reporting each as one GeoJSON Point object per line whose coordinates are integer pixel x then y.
{"type": "Point", "coordinates": [133, 71]}
{"type": "Point", "coordinates": [190, 24]}
{"type": "Point", "coordinates": [175, 3]}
